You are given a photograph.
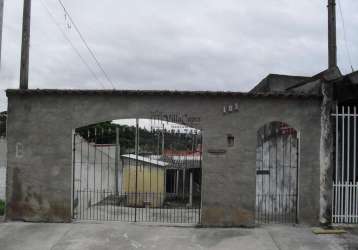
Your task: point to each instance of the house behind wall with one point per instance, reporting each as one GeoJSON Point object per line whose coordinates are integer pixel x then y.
{"type": "Point", "coordinates": [146, 179]}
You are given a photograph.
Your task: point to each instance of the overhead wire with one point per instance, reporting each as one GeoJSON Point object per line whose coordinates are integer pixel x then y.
{"type": "Point", "coordinates": [86, 44]}
{"type": "Point", "coordinates": [71, 43]}
{"type": "Point", "coordinates": [345, 35]}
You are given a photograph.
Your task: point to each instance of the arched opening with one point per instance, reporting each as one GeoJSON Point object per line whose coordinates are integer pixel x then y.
{"type": "Point", "coordinates": [137, 170]}
{"type": "Point", "coordinates": [277, 160]}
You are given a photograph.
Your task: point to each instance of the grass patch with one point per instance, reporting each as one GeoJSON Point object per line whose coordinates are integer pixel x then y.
{"type": "Point", "coordinates": [2, 207]}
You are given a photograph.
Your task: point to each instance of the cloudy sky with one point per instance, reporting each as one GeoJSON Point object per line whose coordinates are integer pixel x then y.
{"type": "Point", "coordinates": [173, 44]}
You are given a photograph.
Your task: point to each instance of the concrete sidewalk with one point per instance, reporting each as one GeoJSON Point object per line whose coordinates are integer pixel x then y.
{"type": "Point", "coordinates": [78, 236]}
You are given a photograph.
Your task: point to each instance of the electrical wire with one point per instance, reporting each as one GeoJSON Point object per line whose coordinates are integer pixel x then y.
{"type": "Point", "coordinates": [345, 35]}
{"type": "Point", "coordinates": [71, 43]}
{"type": "Point", "coordinates": [86, 44]}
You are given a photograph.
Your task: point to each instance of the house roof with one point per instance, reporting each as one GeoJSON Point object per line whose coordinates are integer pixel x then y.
{"type": "Point", "coordinates": [346, 88]}
{"type": "Point", "coordinates": [277, 82]}
{"type": "Point", "coordinates": [297, 84]}
{"type": "Point", "coordinates": [326, 75]}
{"type": "Point", "coordinates": [146, 160]}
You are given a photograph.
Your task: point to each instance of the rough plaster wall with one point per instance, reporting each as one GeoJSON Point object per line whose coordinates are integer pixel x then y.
{"type": "Point", "coordinates": [2, 168]}
{"type": "Point", "coordinates": [39, 180]}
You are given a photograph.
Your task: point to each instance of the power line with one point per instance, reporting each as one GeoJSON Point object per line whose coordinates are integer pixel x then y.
{"type": "Point", "coordinates": [70, 42]}
{"type": "Point", "coordinates": [86, 44]}
{"type": "Point", "coordinates": [345, 35]}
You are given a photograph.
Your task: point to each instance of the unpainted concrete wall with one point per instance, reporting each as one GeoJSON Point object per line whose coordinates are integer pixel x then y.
{"type": "Point", "coordinates": [40, 148]}
{"type": "Point", "coordinates": [3, 163]}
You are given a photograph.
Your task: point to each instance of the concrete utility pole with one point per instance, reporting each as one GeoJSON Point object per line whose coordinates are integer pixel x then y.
{"type": "Point", "coordinates": [326, 141]}
{"type": "Point", "coordinates": [1, 24]}
{"type": "Point", "coordinates": [25, 47]}
{"type": "Point", "coordinates": [332, 34]}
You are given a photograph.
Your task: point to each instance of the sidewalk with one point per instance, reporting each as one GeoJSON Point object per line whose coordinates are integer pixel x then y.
{"type": "Point", "coordinates": [98, 236]}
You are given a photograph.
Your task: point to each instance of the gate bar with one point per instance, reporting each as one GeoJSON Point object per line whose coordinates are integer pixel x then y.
{"type": "Point", "coordinates": [73, 173]}
{"type": "Point", "coordinates": [136, 168]}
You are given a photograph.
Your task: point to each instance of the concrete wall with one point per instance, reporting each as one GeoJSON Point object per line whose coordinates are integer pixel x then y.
{"type": "Point", "coordinates": [40, 147]}
{"type": "Point", "coordinates": [2, 167]}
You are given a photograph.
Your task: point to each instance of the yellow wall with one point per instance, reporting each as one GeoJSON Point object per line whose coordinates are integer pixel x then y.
{"type": "Point", "coordinates": [150, 185]}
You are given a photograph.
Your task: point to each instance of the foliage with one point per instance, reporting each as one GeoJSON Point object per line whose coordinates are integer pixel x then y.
{"type": "Point", "coordinates": [2, 124]}
{"type": "Point", "coordinates": [2, 207]}
{"type": "Point", "coordinates": [150, 141]}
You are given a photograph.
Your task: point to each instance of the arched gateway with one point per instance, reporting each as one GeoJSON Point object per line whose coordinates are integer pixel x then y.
{"type": "Point", "coordinates": [41, 124]}
{"type": "Point", "coordinates": [138, 170]}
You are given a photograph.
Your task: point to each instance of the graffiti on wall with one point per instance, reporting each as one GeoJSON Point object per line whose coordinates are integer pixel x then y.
{"type": "Point", "coordinates": [176, 117]}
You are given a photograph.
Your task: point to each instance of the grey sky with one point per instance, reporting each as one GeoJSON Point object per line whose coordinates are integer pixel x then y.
{"type": "Point", "coordinates": [172, 44]}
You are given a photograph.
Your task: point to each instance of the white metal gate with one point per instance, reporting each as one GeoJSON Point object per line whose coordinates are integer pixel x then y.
{"type": "Point", "coordinates": [277, 157]}
{"type": "Point", "coordinates": [345, 181]}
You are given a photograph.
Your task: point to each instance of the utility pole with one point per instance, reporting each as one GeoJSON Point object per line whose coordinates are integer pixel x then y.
{"type": "Point", "coordinates": [327, 131]}
{"type": "Point", "coordinates": [25, 47]}
{"type": "Point", "coordinates": [332, 34]}
{"type": "Point", "coordinates": [1, 24]}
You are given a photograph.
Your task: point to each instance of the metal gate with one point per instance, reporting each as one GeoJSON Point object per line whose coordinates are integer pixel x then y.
{"type": "Point", "coordinates": [276, 174]}
{"type": "Point", "coordinates": [345, 185]}
{"type": "Point", "coordinates": [138, 171]}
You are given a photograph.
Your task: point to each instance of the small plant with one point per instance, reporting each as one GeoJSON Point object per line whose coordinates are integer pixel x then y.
{"type": "Point", "coordinates": [2, 207]}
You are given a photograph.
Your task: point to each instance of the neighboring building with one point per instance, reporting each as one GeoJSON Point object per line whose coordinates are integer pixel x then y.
{"type": "Point", "coordinates": [276, 82]}
{"type": "Point", "coordinates": [146, 177]}
{"type": "Point", "coordinates": [183, 165]}
{"type": "Point", "coordinates": [297, 84]}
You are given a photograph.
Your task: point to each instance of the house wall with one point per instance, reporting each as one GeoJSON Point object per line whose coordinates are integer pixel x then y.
{"type": "Point", "coordinates": [40, 125]}
{"type": "Point", "coordinates": [150, 184]}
